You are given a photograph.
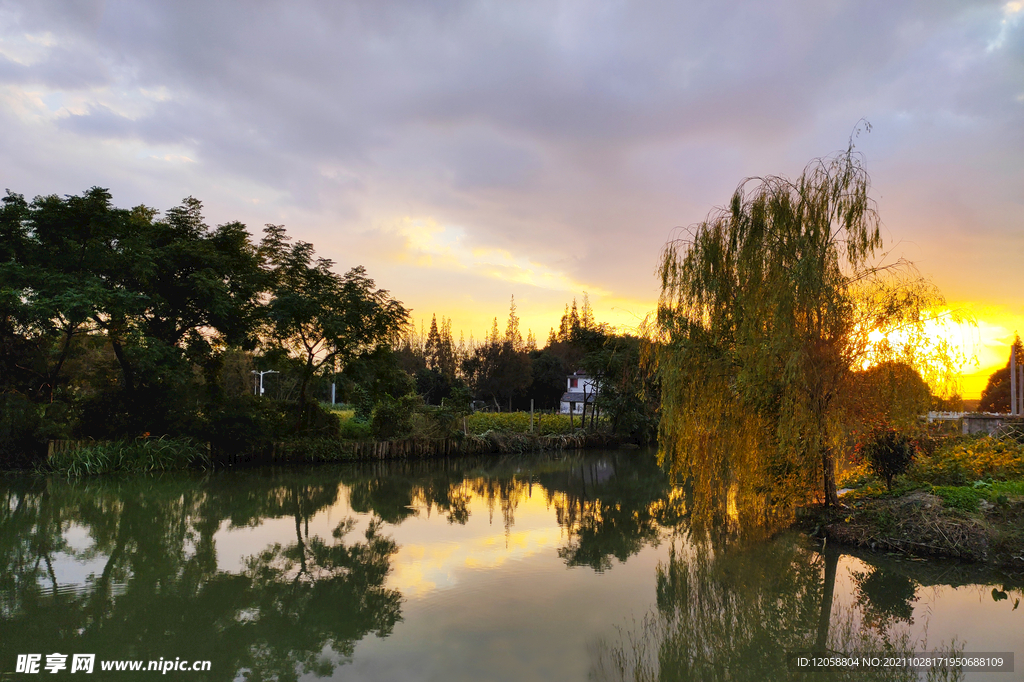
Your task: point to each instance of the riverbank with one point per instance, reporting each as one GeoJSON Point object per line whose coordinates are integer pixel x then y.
{"type": "Point", "coordinates": [921, 523]}
{"type": "Point", "coordinates": [964, 500]}
{"type": "Point", "coordinates": [84, 458]}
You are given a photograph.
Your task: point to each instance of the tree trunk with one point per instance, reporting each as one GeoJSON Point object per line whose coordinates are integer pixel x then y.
{"type": "Point", "coordinates": [307, 376]}
{"type": "Point", "coordinates": [52, 379]}
{"type": "Point", "coordinates": [126, 368]}
{"type": "Point", "coordinates": [828, 466]}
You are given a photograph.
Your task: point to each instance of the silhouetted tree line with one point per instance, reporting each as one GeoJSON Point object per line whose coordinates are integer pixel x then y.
{"type": "Point", "coordinates": [119, 323]}
{"type": "Point", "coordinates": [505, 372]}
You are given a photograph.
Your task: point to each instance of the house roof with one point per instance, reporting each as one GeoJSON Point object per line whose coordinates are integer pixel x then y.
{"type": "Point", "coordinates": [577, 397]}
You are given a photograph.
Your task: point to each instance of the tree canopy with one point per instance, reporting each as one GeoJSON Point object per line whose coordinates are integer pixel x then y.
{"type": "Point", "coordinates": [324, 317]}
{"type": "Point", "coordinates": [117, 322]}
{"type": "Point", "coordinates": [766, 310]}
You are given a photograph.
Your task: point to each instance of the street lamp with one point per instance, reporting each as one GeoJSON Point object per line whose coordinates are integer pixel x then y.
{"type": "Point", "coordinates": [258, 390]}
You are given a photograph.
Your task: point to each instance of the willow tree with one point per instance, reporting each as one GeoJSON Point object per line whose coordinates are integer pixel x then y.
{"type": "Point", "coordinates": [764, 314]}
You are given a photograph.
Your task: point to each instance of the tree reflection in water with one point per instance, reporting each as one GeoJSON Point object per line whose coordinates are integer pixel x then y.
{"type": "Point", "coordinates": [298, 605]}
{"type": "Point", "coordinates": [733, 611]}
{"type": "Point", "coordinates": [729, 604]}
{"type": "Point", "coordinates": [159, 592]}
{"type": "Point", "coordinates": [885, 597]}
{"type": "Point", "coordinates": [610, 506]}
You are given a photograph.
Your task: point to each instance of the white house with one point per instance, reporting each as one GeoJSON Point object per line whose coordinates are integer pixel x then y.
{"type": "Point", "coordinates": [580, 389]}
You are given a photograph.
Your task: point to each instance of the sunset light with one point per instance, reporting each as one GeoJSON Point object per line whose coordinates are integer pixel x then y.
{"type": "Point", "coordinates": [520, 341]}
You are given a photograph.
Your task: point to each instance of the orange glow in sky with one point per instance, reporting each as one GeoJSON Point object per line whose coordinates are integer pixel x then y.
{"type": "Point", "coordinates": [468, 155]}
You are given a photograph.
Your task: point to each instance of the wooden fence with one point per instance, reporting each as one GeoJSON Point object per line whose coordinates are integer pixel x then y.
{"type": "Point", "coordinates": [324, 450]}
{"type": "Point", "coordinates": [55, 447]}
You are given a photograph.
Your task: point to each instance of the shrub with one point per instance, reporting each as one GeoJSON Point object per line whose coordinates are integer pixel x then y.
{"type": "Point", "coordinates": [392, 417]}
{"type": "Point", "coordinates": [318, 422]}
{"type": "Point", "coordinates": [319, 450]}
{"type": "Point", "coordinates": [888, 453]}
{"type": "Point", "coordinates": [25, 428]}
{"type": "Point", "coordinates": [355, 429]}
{"type": "Point", "coordinates": [246, 423]}
{"type": "Point", "coordinates": [970, 459]}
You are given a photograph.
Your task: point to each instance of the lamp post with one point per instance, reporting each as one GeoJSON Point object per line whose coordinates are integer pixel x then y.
{"type": "Point", "coordinates": [1014, 407]}
{"type": "Point", "coordinates": [334, 377]}
{"type": "Point", "coordinates": [258, 390]}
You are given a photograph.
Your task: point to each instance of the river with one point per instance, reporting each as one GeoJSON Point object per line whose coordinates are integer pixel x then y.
{"type": "Point", "coordinates": [540, 567]}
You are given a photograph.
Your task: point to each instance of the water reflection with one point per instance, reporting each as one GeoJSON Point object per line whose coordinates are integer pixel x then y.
{"type": "Point", "coordinates": [610, 507]}
{"type": "Point", "coordinates": [299, 604]}
{"type": "Point", "coordinates": [885, 597]}
{"type": "Point", "coordinates": [140, 568]}
{"type": "Point", "coordinates": [157, 591]}
{"type": "Point", "coordinates": [733, 612]}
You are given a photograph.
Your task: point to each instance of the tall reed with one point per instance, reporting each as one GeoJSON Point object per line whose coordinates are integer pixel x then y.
{"type": "Point", "coordinates": [140, 455]}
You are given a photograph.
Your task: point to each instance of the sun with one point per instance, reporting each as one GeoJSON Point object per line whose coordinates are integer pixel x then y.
{"type": "Point", "coordinates": [942, 346]}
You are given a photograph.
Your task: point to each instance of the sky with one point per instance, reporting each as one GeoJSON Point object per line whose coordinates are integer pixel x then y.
{"type": "Point", "coordinates": [466, 152]}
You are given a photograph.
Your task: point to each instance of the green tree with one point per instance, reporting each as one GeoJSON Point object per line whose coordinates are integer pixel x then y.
{"type": "Point", "coordinates": [63, 261]}
{"type": "Point", "coordinates": [765, 310]}
{"type": "Point", "coordinates": [500, 369]}
{"type": "Point", "coordinates": [323, 317]}
{"type": "Point", "coordinates": [547, 383]}
{"type": "Point", "coordinates": [439, 350]}
{"type": "Point", "coordinates": [888, 392]}
{"type": "Point", "coordinates": [19, 357]}
{"type": "Point", "coordinates": [888, 453]}
{"type": "Point", "coordinates": [85, 279]}
{"type": "Point", "coordinates": [512, 334]}
{"type": "Point", "coordinates": [175, 295]}
{"type": "Point", "coordinates": [373, 375]}
{"type": "Point", "coordinates": [629, 396]}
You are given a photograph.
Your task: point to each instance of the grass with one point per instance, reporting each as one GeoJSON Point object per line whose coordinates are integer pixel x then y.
{"type": "Point", "coordinates": [353, 429]}
{"type": "Point", "coordinates": [959, 497]}
{"type": "Point", "coordinates": [141, 455]}
{"type": "Point", "coordinates": [343, 410]}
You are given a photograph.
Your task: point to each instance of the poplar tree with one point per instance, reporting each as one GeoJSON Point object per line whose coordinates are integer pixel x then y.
{"type": "Point", "coordinates": [587, 314]}
{"type": "Point", "coordinates": [512, 335]}
{"type": "Point", "coordinates": [432, 348]}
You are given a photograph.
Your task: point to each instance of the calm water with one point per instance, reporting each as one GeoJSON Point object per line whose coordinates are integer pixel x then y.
{"type": "Point", "coordinates": [570, 568]}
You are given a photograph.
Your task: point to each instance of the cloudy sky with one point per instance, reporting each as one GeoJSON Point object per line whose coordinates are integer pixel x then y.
{"type": "Point", "coordinates": [468, 151]}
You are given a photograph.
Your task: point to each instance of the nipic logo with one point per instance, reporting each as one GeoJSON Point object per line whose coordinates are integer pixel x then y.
{"type": "Point", "coordinates": [85, 663]}
{"type": "Point", "coordinates": [55, 662]}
